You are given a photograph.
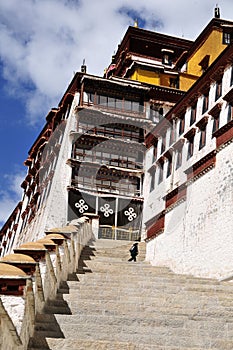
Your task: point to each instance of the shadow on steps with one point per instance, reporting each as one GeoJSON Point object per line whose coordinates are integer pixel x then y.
{"type": "Point", "coordinates": [46, 325]}
{"type": "Point", "coordinates": [86, 254]}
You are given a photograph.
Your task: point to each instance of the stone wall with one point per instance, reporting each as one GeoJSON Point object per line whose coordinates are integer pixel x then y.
{"type": "Point", "coordinates": [197, 237]}
{"type": "Point", "coordinates": [17, 313]}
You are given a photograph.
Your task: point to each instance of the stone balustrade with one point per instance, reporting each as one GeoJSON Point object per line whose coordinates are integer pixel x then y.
{"type": "Point", "coordinates": [18, 309]}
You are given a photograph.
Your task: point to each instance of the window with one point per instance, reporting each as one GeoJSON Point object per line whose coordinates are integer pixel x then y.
{"type": "Point", "coordinates": [174, 83]}
{"type": "Point", "coordinates": [190, 147]}
{"type": "Point", "coordinates": [229, 113]}
{"type": "Point", "coordinates": [163, 141]}
{"type": "Point", "coordinates": [169, 165]}
{"type": "Point", "coordinates": [178, 158]}
{"type": "Point", "coordinates": [160, 172]}
{"type": "Point", "coordinates": [204, 63]}
{"type": "Point", "coordinates": [181, 125]}
{"type": "Point", "coordinates": [226, 38]}
{"type": "Point", "coordinates": [218, 91]}
{"type": "Point", "coordinates": [216, 122]}
{"type": "Point", "coordinates": [115, 103]}
{"type": "Point", "coordinates": [172, 135]}
{"type": "Point", "coordinates": [156, 113]}
{"type": "Point", "coordinates": [202, 142]}
{"type": "Point", "coordinates": [205, 103]}
{"type": "Point", "coordinates": [90, 97]}
{"type": "Point", "coordinates": [152, 181]}
{"type": "Point", "coordinates": [231, 81]}
{"type": "Point", "coordinates": [102, 100]}
{"type": "Point", "coordinates": [193, 114]}
{"type": "Point", "coordinates": [155, 150]}
{"type": "Point", "coordinates": [190, 135]}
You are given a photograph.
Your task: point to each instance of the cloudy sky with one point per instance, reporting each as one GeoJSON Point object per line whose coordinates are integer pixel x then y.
{"type": "Point", "coordinates": [42, 44]}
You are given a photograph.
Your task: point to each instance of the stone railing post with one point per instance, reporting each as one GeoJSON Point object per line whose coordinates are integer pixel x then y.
{"type": "Point", "coordinates": [27, 328]}
{"type": "Point", "coordinates": [50, 282]}
{"type": "Point", "coordinates": [9, 338]}
{"type": "Point", "coordinates": [38, 290]}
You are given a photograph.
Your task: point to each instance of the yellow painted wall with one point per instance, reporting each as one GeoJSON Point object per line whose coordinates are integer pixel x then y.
{"type": "Point", "coordinates": [165, 79]}
{"type": "Point", "coordinates": [186, 81]}
{"type": "Point", "coordinates": [155, 78]}
{"type": "Point", "coordinates": [211, 46]}
{"type": "Point", "coordinates": [146, 76]}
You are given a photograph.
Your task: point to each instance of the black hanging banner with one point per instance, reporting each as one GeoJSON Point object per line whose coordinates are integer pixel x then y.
{"type": "Point", "coordinates": [129, 213]}
{"type": "Point", "coordinates": [106, 210]}
{"type": "Point", "coordinates": [79, 204]}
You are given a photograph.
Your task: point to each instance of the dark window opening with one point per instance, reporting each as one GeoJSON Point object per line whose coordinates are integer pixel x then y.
{"type": "Point", "coordinates": [155, 150]}
{"type": "Point", "coordinates": [231, 81]}
{"type": "Point", "coordinates": [218, 91]}
{"type": "Point", "coordinates": [205, 63]}
{"type": "Point", "coordinates": [167, 59]}
{"type": "Point", "coordinates": [152, 181]}
{"type": "Point", "coordinates": [202, 142]}
{"type": "Point", "coordinates": [190, 147]}
{"type": "Point", "coordinates": [229, 113]}
{"type": "Point", "coordinates": [174, 83]}
{"type": "Point", "coordinates": [156, 113]}
{"type": "Point", "coordinates": [172, 136]}
{"type": "Point", "coordinates": [163, 143]}
{"type": "Point", "coordinates": [181, 125]}
{"type": "Point", "coordinates": [205, 103]}
{"type": "Point", "coordinates": [160, 173]}
{"type": "Point", "coordinates": [178, 158]}
{"type": "Point", "coordinates": [169, 166]}
{"type": "Point", "coordinates": [193, 114]}
{"type": "Point", "coordinates": [227, 38]}
{"type": "Point", "coordinates": [216, 123]}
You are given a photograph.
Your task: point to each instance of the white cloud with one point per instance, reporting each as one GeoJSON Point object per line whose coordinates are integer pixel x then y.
{"type": "Point", "coordinates": [11, 195]}
{"type": "Point", "coordinates": [43, 42]}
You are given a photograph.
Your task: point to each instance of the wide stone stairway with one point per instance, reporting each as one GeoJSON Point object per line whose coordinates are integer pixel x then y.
{"type": "Point", "coordinates": [115, 304]}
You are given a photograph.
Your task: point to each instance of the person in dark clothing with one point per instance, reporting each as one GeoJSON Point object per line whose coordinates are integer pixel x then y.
{"type": "Point", "coordinates": [134, 252]}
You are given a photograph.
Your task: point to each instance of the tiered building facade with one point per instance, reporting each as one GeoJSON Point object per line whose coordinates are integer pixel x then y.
{"type": "Point", "coordinates": [144, 150]}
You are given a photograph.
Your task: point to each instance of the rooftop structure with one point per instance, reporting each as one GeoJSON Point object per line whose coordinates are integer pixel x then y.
{"type": "Point", "coordinates": [89, 159]}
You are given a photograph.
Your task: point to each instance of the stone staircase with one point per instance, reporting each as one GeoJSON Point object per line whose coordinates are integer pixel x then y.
{"type": "Point", "coordinates": [115, 304]}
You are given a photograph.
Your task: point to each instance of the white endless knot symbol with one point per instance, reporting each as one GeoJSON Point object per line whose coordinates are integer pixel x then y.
{"type": "Point", "coordinates": [130, 213]}
{"type": "Point", "coordinates": [81, 206]}
{"type": "Point", "coordinates": [106, 210]}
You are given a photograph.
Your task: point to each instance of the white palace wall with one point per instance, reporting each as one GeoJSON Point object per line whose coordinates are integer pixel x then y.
{"type": "Point", "coordinates": [198, 232]}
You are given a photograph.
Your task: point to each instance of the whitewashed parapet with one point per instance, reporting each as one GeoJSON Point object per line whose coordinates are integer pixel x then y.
{"type": "Point", "coordinates": [43, 286]}
{"type": "Point", "coordinates": [9, 338]}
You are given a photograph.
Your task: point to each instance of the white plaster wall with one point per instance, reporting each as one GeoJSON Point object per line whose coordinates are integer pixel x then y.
{"type": "Point", "coordinates": [198, 235]}
{"type": "Point", "coordinates": [57, 205]}
{"type": "Point", "coordinates": [15, 309]}
{"type": "Point", "coordinates": [53, 212]}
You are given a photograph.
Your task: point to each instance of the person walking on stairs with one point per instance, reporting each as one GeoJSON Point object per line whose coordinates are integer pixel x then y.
{"type": "Point", "coordinates": [134, 252]}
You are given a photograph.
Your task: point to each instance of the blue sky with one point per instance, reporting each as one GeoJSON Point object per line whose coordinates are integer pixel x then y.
{"type": "Point", "coordinates": [42, 44]}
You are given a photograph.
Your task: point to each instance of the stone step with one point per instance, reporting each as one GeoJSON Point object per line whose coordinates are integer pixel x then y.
{"type": "Point", "coordinates": [155, 304]}
{"type": "Point", "coordinates": [92, 283]}
{"type": "Point", "coordinates": [125, 307]}
{"type": "Point", "coordinates": [113, 304]}
{"type": "Point", "coordinates": [191, 330]}
{"type": "Point", "coordinates": [153, 288]}
{"type": "Point", "coordinates": [157, 336]}
{"type": "Point", "coordinates": [141, 275]}
{"type": "Point", "coordinates": [83, 344]}
{"type": "Point", "coordinates": [89, 344]}
{"type": "Point", "coordinates": [156, 321]}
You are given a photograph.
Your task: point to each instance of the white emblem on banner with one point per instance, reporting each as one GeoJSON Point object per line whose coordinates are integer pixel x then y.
{"type": "Point", "coordinates": [106, 209]}
{"type": "Point", "coordinates": [130, 213]}
{"type": "Point", "coordinates": [81, 205]}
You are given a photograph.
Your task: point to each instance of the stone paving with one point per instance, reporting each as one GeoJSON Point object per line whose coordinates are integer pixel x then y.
{"type": "Point", "coordinates": [115, 304]}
